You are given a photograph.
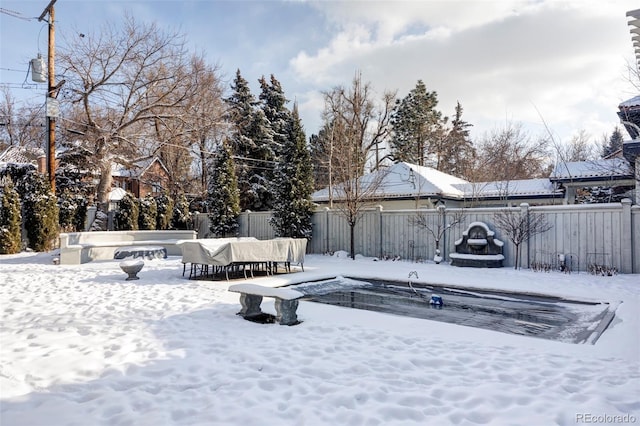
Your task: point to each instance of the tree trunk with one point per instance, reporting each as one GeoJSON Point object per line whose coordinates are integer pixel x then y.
{"type": "Point", "coordinates": [104, 186]}
{"type": "Point", "coordinates": [352, 232]}
{"type": "Point", "coordinates": [517, 256]}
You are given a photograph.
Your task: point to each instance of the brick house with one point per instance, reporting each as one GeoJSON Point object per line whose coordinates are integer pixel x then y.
{"type": "Point", "coordinates": [143, 177]}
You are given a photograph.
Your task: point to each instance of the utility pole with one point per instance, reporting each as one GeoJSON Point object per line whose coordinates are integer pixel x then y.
{"type": "Point", "coordinates": [51, 107]}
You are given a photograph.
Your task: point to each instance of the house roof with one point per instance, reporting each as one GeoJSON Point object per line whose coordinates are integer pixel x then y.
{"type": "Point", "coordinates": [20, 155]}
{"type": "Point", "coordinates": [523, 188]}
{"type": "Point", "coordinates": [612, 168]}
{"type": "Point", "coordinates": [406, 180]}
{"type": "Point", "coordinates": [137, 169]}
{"type": "Point", "coordinates": [403, 180]}
{"type": "Point", "coordinates": [633, 102]}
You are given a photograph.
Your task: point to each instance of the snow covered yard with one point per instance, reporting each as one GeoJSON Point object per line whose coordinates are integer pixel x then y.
{"type": "Point", "coordinates": [79, 345]}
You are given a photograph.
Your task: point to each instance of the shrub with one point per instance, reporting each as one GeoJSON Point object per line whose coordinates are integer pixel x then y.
{"type": "Point", "coordinates": [127, 215]}
{"type": "Point", "coordinates": [10, 220]}
{"type": "Point", "coordinates": [40, 209]}
{"type": "Point", "coordinates": [165, 211]}
{"type": "Point", "coordinates": [181, 218]}
{"type": "Point", "coordinates": [148, 213]}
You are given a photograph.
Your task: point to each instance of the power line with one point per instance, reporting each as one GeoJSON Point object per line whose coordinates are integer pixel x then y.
{"type": "Point", "coordinates": [14, 14]}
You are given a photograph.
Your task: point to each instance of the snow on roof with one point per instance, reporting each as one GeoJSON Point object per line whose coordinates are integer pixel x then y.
{"type": "Point", "coordinates": [20, 155]}
{"type": "Point", "coordinates": [406, 180]}
{"type": "Point", "coordinates": [136, 170]}
{"type": "Point", "coordinates": [513, 188]}
{"type": "Point", "coordinates": [117, 194]}
{"type": "Point", "coordinates": [612, 167]}
{"type": "Point", "coordinates": [635, 101]}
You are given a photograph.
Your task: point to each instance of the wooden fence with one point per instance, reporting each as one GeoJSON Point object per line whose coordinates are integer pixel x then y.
{"type": "Point", "coordinates": [584, 235]}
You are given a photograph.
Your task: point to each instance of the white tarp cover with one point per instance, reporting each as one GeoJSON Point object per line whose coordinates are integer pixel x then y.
{"type": "Point", "coordinates": [224, 251]}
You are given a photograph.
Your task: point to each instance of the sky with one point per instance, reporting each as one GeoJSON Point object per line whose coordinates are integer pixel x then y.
{"type": "Point", "coordinates": [83, 346]}
{"type": "Point", "coordinates": [563, 63]}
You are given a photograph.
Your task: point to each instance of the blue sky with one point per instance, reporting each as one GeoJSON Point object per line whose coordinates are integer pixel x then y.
{"type": "Point", "coordinates": [503, 60]}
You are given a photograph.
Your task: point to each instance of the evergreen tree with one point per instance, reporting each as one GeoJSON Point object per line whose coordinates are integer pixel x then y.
{"type": "Point", "coordinates": [127, 214]}
{"type": "Point", "coordinates": [293, 185]}
{"type": "Point", "coordinates": [40, 212]}
{"type": "Point", "coordinates": [10, 220]}
{"type": "Point", "coordinates": [321, 156]}
{"type": "Point", "coordinates": [181, 218]}
{"type": "Point", "coordinates": [262, 159]}
{"type": "Point", "coordinates": [275, 110]}
{"type": "Point", "coordinates": [80, 216]}
{"type": "Point", "coordinates": [148, 216]}
{"type": "Point", "coordinates": [417, 127]}
{"type": "Point", "coordinates": [457, 152]}
{"type": "Point", "coordinates": [67, 206]}
{"type": "Point", "coordinates": [165, 211]}
{"type": "Point", "coordinates": [223, 195]}
{"type": "Point", "coordinates": [251, 145]}
{"type": "Point", "coordinates": [613, 144]}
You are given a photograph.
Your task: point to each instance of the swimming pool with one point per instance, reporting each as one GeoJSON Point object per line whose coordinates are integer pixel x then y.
{"type": "Point", "coordinates": [535, 315]}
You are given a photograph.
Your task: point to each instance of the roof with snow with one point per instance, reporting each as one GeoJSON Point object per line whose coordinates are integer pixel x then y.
{"type": "Point", "coordinates": [512, 188]}
{"type": "Point", "coordinates": [405, 180]}
{"type": "Point", "coordinates": [611, 168]}
{"type": "Point", "coordinates": [137, 168]}
{"type": "Point", "coordinates": [20, 155]}
{"type": "Point", "coordinates": [635, 101]}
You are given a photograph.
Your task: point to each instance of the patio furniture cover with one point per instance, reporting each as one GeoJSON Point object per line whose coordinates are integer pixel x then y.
{"type": "Point", "coordinates": [224, 251]}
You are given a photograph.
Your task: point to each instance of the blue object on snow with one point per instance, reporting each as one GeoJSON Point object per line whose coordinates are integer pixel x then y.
{"type": "Point", "coordinates": [436, 300]}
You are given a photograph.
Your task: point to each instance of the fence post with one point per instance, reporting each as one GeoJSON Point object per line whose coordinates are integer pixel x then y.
{"type": "Point", "coordinates": [524, 208]}
{"type": "Point", "coordinates": [379, 210]}
{"type": "Point", "coordinates": [91, 216]}
{"type": "Point", "coordinates": [626, 263]}
{"type": "Point", "coordinates": [327, 229]}
{"type": "Point", "coordinates": [248, 215]}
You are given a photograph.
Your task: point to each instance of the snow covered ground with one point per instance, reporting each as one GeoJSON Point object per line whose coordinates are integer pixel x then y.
{"type": "Point", "coordinates": [79, 345]}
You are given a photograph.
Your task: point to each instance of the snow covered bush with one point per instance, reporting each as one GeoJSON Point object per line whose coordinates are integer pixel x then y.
{"type": "Point", "coordinates": [181, 218]}
{"type": "Point", "coordinates": [148, 213]}
{"type": "Point", "coordinates": [10, 220]}
{"type": "Point", "coordinates": [127, 214]}
{"type": "Point", "coordinates": [165, 211]}
{"type": "Point", "coordinates": [40, 211]}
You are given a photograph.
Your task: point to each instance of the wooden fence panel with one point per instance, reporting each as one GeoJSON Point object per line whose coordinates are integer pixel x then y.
{"type": "Point", "coordinates": [587, 233]}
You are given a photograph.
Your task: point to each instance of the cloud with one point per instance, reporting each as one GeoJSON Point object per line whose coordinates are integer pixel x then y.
{"type": "Point", "coordinates": [501, 60]}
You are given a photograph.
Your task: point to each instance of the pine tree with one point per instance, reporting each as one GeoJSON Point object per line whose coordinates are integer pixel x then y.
{"type": "Point", "coordinates": [614, 144]}
{"type": "Point", "coordinates": [223, 195]}
{"type": "Point", "coordinates": [148, 216]}
{"type": "Point", "coordinates": [417, 126]}
{"type": "Point", "coordinates": [181, 218]}
{"type": "Point", "coordinates": [127, 214]}
{"type": "Point", "coordinates": [457, 152]}
{"type": "Point", "coordinates": [251, 145]}
{"type": "Point", "coordinates": [321, 156]}
{"type": "Point", "coordinates": [275, 110]}
{"type": "Point", "coordinates": [10, 220]}
{"type": "Point", "coordinates": [293, 185]}
{"type": "Point", "coordinates": [40, 212]}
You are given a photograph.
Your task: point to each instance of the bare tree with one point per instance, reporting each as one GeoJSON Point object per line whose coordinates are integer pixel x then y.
{"type": "Point", "coordinates": [519, 227]}
{"type": "Point", "coordinates": [357, 128]}
{"type": "Point", "coordinates": [437, 230]}
{"type": "Point", "coordinates": [120, 81]}
{"type": "Point", "coordinates": [195, 134]}
{"type": "Point", "coordinates": [509, 154]}
{"type": "Point", "coordinates": [20, 126]}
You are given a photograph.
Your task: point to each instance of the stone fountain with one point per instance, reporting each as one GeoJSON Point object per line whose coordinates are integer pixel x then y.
{"type": "Point", "coordinates": [478, 248]}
